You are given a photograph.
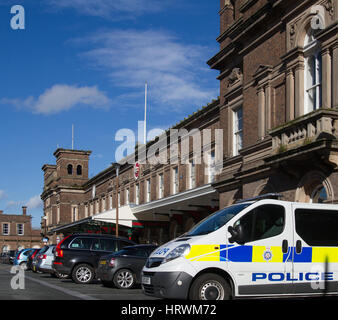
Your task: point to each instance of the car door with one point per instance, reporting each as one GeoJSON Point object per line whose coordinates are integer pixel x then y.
{"type": "Point", "coordinates": [135, 259]}
{"type": "Point", "coordinates": [315, 261]}
{"type": "Point", "coordinates": [260, 264]}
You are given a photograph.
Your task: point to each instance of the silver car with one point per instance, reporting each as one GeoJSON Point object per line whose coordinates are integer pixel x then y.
{"type": "Point", "coordinates": [44, 262]}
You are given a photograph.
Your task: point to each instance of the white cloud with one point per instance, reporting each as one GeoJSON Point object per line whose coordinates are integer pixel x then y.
{"type": "Point", "coordinates": [34, 202]}
{"type": "Point", "coordinates": [60, 98]}
{"type": "Point", "coordinates": [110, 9]}
{"type": "Point", "coordinates": [175, 71]}
{"type": "Point", "coordinates": [3, 195]}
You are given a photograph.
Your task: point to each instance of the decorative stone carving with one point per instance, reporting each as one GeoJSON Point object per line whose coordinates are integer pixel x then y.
{"type": "Point", "coordinates": [235, 77]}
{"type": "Point", "coordinates": [329, 7]}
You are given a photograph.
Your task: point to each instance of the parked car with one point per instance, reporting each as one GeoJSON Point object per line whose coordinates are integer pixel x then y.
{"type": "Point", "coordinates": [123, 268]}
{"type": "Point", "coordinates": [12, 255]}
{"type": "Point", "coordinates": [45, 260]}
{"type": "Point", "coordinates": [78, 255]}
{"type": "Point", "coordinates": [30, 259]}
{"type": "Point", "coordinates": [21, 258]}
{"type": "Point", "coordinates": [35, 260]}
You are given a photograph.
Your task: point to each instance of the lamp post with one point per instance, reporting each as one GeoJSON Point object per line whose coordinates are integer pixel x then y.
{"type": "Point", "coordinates": [117, 169]}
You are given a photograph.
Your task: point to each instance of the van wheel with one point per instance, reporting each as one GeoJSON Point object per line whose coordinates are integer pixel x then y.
{"type": "Point", "coordinates": [83, 274]}
{"type": "Point", "coordinates": [124, 279]}
{"type": "Point", "coordinates": [210, 286]}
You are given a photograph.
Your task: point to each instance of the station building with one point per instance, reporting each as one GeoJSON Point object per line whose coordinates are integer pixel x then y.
{"type": "Point", "coordinates": [277, 110]}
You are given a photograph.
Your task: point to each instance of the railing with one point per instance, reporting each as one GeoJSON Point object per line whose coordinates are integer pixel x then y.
{"type": "Point", "coordinates": [304, 130]}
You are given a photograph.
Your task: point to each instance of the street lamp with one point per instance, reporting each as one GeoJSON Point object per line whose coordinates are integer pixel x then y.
{"type": "Point", "coordinates": [117, 169]}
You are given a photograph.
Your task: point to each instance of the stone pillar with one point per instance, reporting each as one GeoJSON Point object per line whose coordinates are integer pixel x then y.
{"type": "Point", "coordinates": [290, 95]}
{"type": "Point", "coordinates": [335, 75]}
{"type": "Point", "coordinates": [261, 113]}
{"type": "Point", "coordinates": [299, 90]}
{"type": "Point", "coordinates": [267, 93]}
{"type": "Point", "coordinates": [326, 79]}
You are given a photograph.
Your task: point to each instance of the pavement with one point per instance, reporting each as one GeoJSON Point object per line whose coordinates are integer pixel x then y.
{"type": "Point", "coordinates": [27, 285]}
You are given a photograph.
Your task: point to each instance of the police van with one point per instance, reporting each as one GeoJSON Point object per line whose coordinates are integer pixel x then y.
{"type": "Point", "coordinates": [255, 248]}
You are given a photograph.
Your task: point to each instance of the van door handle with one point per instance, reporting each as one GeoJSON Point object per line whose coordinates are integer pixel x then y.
{"type": "Point", "coordinates": [298, 246]}
{"type": "Point", "coordinates": [285, 246]}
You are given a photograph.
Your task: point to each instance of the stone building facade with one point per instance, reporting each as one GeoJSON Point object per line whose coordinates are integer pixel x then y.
{"type": "Point", "coordinates": [278, 112]}
{"type": "Point", "coordinates": [17, 232]}
{"type": "Point", "coordinates": [278, 64]}
{"type": "Point", "coordinates": [165, 199]}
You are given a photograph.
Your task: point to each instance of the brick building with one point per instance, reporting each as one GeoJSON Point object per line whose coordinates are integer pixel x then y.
{"type": "Point", "coordinates": [17, 232]}
{"type": "Point", "coordinates": [278, 64]}
{"type": "Point", "coordinates": [278, 111]}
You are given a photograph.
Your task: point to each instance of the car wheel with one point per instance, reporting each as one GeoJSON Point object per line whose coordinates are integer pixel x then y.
{"type": "Point", "coordinates": [23, 265]}
{"type": "Point", "coordinates": [124, 279]}
{"type": "Point", "coordinates": [83, 274]}
{"type": "Point", "coordinates": [210, 286]}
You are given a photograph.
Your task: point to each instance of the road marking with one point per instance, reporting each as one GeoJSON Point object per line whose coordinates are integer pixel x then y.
{"type": "Point", "coordinates": [66, 291]}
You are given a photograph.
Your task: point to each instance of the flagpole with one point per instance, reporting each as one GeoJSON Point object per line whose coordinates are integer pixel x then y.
{"type": "Point", "coordinates": [145, 115]}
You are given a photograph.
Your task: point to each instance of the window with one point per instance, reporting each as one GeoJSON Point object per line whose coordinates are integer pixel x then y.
{"type": "Point", "coordinates": [262, 222]}
{"type": "Point", "coordinates": [104, 245]}
{"type": "Point", "coordinates": [313, 66]}
{"type": "Point", "coordinates": [5, 229]}
{"type": "Point", "coordinates": [237, 130]}
{"type": "Point", "coordinates": [123, 244]}
{"type": "Point", "coordinates": [79, 170]}
{"type": "Point", "coordinates": [127, 196]}
{"type": "Point", "coordinates": [148, 190]}
{"type": "Point", "coordinates": [74, 214]}
{"type": "Point", "coordinates": [192, 175]}
{"type": "Point", "coordinates": [217, 220]}
{"type": "Point", "coordinates": [111, 201]}
{"type": "Point", "coordinates": [70, 169]}
{"type": "Point", "coordinates": [319, 195]}
{"type": "Point", "coordinates": [134, 252]}
{"type": "Point", "coordinates": [81, 243]}
{"type": "Point", "coordinates": [175, 180]}
{"type": "Point", "coordinates": [317, 227]}
{"type": "Point", "coordinates": [160, 186]}
{"type": "Point", "coordinates": [20, 229]}
{"type": "Point", "coordinates": [211, 167]}
{"type": "Point", "coordinates": [137, 194]}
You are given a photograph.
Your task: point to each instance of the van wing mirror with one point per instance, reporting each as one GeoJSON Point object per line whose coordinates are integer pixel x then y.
{"type": "Point", "coordinates": [236, 234]}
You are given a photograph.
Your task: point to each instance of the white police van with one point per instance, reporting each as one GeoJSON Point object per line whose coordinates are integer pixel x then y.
{"type": "Point", "coordinates": [260, 247]}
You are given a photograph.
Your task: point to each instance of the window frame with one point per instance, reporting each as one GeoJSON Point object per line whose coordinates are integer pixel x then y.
{"type": "Point", "coordinates": [23, 229]}
{"type": "Point", "coordinates": [8, 227]}
{"type": "Point", "coordinates": [237, 130]}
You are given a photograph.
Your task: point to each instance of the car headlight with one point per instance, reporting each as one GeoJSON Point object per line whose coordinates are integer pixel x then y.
{"type": "Point", "coordinates": [179, 251]}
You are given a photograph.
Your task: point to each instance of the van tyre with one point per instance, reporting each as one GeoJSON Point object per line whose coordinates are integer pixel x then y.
{"type": "Point", "coordinates": [210, 286]}
{"type": "Point", "coordinates": [124, 279]}
{"type": "Point", "coordinates": [83, 274]}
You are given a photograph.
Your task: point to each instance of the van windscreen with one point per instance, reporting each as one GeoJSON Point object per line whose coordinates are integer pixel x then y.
{"type": "Point", "coordinates": [216, 220]}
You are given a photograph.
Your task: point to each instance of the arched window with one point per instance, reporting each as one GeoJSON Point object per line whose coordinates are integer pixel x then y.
{"type": "Point", "coordinates": [319, 195]}
{"type": "Point", "coordinates": [70, 169]}
{"type": "Point", "coordinates": [312, 73]}
{"type": "Point", "coordinates": [79, 170]}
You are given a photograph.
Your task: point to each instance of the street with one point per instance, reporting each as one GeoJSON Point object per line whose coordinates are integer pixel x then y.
{"type": "Point", "coordinates": [45, 287]}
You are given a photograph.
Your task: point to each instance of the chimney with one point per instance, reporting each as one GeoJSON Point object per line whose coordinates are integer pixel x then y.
{"type": "Point", "coordinates": [1, 212]}
{"type": "Point", "coordinates": [24, 210]}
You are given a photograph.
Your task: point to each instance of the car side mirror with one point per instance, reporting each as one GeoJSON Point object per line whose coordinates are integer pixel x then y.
{"type": "Point", "coordinates": [236, 234]}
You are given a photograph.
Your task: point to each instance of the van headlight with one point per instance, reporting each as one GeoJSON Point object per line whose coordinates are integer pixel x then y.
{"type": "Point", "coordinates": [179, 251]}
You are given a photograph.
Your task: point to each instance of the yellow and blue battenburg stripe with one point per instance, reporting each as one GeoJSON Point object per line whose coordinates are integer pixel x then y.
{"type": "Point", "coordinates": [232, 253]}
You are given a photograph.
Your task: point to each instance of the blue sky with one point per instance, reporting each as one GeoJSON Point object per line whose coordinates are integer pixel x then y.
{"type": "Point", "coordinates": [85, 62]}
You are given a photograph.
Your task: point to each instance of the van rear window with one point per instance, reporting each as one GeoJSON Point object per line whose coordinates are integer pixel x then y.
{"type": "Point", "coordinates": [317, 227]}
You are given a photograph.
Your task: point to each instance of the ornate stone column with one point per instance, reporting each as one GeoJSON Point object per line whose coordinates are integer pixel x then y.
{"type": "Point", "coordinates": [326, 79]}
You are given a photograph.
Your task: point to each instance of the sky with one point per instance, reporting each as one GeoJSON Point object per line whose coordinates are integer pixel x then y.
{"type": "Point", "coordinates": [85, 63]}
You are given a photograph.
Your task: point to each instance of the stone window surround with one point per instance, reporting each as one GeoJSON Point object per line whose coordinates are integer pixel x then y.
{"type": "Point", "coordinates": [8, 226]}
{"type": "Point", "coordinates": [295, 65]}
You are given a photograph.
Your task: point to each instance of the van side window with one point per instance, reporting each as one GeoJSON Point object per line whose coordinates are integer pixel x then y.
{"type": "Point", "coordinates": [317, 227]}
{"type": "Point", "coordinates": [263, 222]}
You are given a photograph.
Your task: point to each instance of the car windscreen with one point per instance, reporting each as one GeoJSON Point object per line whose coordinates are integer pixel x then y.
{"type": "Point", "coordinates": [216, 220]}
{"type": "Point", "coordinates": [44, 249]}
